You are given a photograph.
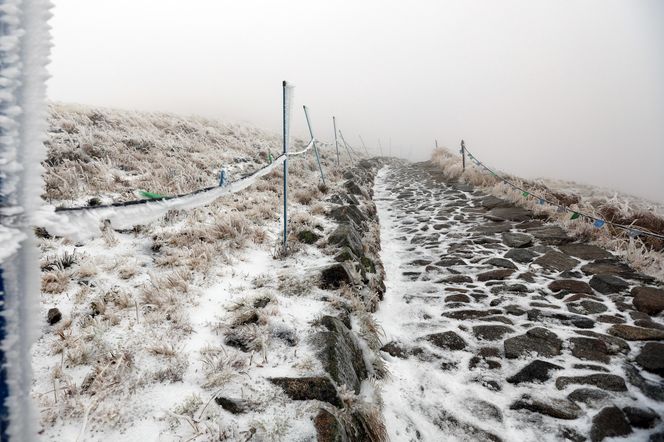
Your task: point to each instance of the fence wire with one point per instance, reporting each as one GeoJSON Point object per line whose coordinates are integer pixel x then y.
{"type": "Point", "coordinates": [597, 222]}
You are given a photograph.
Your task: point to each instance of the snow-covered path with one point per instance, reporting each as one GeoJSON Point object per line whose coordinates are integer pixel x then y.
{"type": "Point", "coordinates": [482, 339]}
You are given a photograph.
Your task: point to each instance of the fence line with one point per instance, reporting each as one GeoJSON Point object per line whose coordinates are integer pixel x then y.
{"type": "Point", "coordinates": [597, 222]}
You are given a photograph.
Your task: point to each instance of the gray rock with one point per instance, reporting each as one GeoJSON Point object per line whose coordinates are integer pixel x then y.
{"type": "Point", "coordinates": [53, 316]}
{"type": "Point", "coordinates": [501, 262]}
{"type": "Point", "coordinates": [550, 234]}
{"type": "Point", "coordinates": [447, 340]}
{"type": "Point", "coordinates": [346, 236]}
{"type": "Point", "coordinates": [309, 388]}
{"type": "Point", "coordinates": [651, 358]}
{"type": "Point", "coordinates": [446, 421]}
{"type": "Point", "coordinates": [614, 344]}
{"type": "Point", "coordinates": [340, 353]}
{"type": "Point", "coordinates": [344, 214]}
{"type": "Point", "coordinates": [234, 406]}
{"type": "Point", "coordinates": [585, 251]}
{"type": "Point", "coordinates": [607, 284]}
{"type": "Point", "coordinates": [641, 417]}
{"type": "Point", "coordinates": [587, 307]}
{"type": "Point", "coordinates": [590, 349]}
{"type": "Point", "coordinates": [631, 333]}
{"type": "Point", "coordinates": [653, 390]}
{"type": "Point", "coordinates": [491, 202]}
{"type": "Point", "coordinates": [605, 381]}
{"type": "Point", "coordinates": [537, 370]}
{"type": "Point", "coordinates": [592, 397]}
{"type": "Point", "coordinates": [337, 274]}
{"type": "Point", "coordinates": [451, 261]}
{"type": "Point", "coordinates": [458, 298]}
{"type": "Point", "coordinates": [559, 317]}
{"type": "Point", "coordinates": [648, 300]}
{"type": "Point", "coordinates": [495, 275]}
{"type": "Point", "coordinates": [610, 422]}
{"type": "Point", "coordinates": [394, 349]}
{"type": "Point", "coordinates": [517, 214]}
{"type": "Point", "coordinates": [491, 228]}
{"type": "Point", "coordinates": [570, 285]}
{"type": "Point", "coordinates": [556, 261]}
{"type": "Point", "coordinates": [557, 408]}
{"type": "Point", "coordinates": [523, 256]}
{"type": "Point", "coordinates": [517, 240]}
{"type": "Point", "coordinates": [538, 340]}
{"type": "Point", "coordinates": [483, 409]}
{"type": "Point", "coordinates": [491, 332]}
{"type": "Point", "coordinates": [471, 314]}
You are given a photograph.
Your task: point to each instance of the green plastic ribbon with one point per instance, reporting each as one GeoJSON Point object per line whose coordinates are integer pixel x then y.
{"type": "Point", "coordinates": [575, 215]}
{"type": "Point", "coordinates": [151, 195]}
{"type": "Point", "coordinates": [525, 194]}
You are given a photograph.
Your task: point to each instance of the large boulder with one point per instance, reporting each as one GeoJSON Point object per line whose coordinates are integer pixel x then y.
{"type": "Point", "coordinates": [340, 353]}
{"type": "Point", "coordinates": [348, 213]}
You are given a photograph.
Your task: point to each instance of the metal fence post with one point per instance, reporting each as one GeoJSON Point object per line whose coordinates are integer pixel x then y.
{"type": "Point", "coordinates": [311, 132]}
{"type": "Point", "coordinates": [285, 130]}
{"type": "Point", "coordinates": [364, 145]}
{"type": "Point", "coordinates": [336, 142]}
{"type": "Point", "coordinates": [463, 155]}
{"type": "Point", "coordinates": [380, 147]}
{"type": "Point", "coordinates": [436, 144]}
{"type": "Point", "coordinates": [343, 140]}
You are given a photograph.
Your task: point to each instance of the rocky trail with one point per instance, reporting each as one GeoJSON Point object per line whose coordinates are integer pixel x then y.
{"type": "Point", "coordinates": [498, 326]}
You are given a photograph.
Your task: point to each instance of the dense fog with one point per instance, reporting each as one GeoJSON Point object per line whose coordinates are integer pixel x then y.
{"type": "Point", "coordinates": [568, 90]}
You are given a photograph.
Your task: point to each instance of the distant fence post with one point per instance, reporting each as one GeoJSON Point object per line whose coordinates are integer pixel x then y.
{"type": "Point", "coordinates": [311, 132]}
{"type": "Point", "coordinates": [436, 144]}
{"type": "Point", "coordinates": [364, 145]}
{"type": "Point", "coordinates": [336, 142]}
{"type": "Point", "coordinates": [380, 147]}
{"type": "Point", "coordinates": [463, 155]}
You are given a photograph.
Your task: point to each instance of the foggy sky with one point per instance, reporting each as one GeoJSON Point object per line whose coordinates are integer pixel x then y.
{"type": "Point", "coordinates": [561, 89]}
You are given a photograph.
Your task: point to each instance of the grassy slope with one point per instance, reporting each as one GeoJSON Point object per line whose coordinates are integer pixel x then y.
{"type": "Point", "coordinates": [143, 311]}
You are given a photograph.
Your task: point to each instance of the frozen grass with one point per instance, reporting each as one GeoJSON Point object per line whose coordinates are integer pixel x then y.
{"type": "Point", "coordinates": [644, 253]}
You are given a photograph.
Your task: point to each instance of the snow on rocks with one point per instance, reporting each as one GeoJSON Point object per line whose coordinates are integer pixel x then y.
{"type": "Point", "coordinates": [558, 340]}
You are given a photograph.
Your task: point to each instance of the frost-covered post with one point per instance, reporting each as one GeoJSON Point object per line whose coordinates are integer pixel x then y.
{"type": "Point", "coordinates": [311, 132]}
{"type": "Point", "coordinates": [463, 155]}
{"type": "Point", "coordinates": [287, 88]}
{"type": "Point", "coordinates": [24, 50]}
{"type": "Point", "coordinates": [364, 145]}
{"type": "Point", "coordinates": [336, 142]}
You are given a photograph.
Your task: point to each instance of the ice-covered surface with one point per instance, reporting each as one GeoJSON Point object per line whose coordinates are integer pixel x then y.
{"type": "Point", "coordinates": [436, 240]}
{"type": "Point", "coordinates": [24, 50]}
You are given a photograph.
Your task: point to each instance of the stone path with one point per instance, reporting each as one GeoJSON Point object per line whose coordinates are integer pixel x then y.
{"type": "Point", "coordinates": [499, 327]}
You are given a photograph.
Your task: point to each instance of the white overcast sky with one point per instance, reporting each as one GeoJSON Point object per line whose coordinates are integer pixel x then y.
{"type": "Point", "coordinates": [561, 89]}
